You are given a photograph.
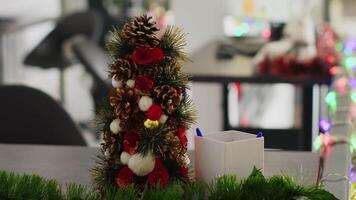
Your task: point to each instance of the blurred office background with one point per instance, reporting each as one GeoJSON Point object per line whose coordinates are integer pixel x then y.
{"type": "Point", "coordinates": [24, 24]}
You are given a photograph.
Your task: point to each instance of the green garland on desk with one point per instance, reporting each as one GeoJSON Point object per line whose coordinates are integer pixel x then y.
{"type": "Point", "coordinates": [255, 187]}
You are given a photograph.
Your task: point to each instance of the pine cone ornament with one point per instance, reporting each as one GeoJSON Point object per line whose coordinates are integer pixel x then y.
{"type": "Point", "coordinates": [141, 32]}
{"type": "Point", "coordinates": [125, 103]}
{"type": "Point", "coordinates": [110, 144]}
{"type": "Point", "coordinates": [123, 69]}
{"type": "Point", "coordinates": [168, 97]}
{"type": "Point", "coordinates": [175, 151]}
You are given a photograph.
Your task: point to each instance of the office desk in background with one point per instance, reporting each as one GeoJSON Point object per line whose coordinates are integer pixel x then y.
{"type": "Point", "coordinates": [206, 68]}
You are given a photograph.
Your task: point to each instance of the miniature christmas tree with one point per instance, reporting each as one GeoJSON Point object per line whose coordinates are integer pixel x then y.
{"type": "Point", "coordinates": [144, 124]}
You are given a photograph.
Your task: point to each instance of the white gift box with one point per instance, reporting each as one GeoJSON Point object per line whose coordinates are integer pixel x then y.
{"type": "Point", "coordinates": [227, 152]}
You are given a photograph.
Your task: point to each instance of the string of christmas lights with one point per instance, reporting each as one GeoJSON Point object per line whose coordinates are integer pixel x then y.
{"type": "Point", "coordinates": [341, 101]}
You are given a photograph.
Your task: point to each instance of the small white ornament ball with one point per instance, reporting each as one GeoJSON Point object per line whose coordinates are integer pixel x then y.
{"type": "Point", "coordinates": [115, 83]}
{"type": "Point", "coordinates": [115, 126]}
{"type": "Point", "coordinates": [130, 83]}
{"type": "Point", "coordinates": [125, 157]}
{"type": "Point", "coordinates": [145, 103]}
{"type": "Point", "coordinates": [141, 165]}
{"type": "Point", "coordinates": [163, 119]}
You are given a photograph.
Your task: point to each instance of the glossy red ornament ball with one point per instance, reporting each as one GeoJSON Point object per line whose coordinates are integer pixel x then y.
{"type": "Point", "coordinates": [125, 177]}
{"type": "Point", "coordinates": [159, 175]}
{"type": "Point", "coordinates": [154, 112]}
{"type": "Point", "coordinates": [144, 83]}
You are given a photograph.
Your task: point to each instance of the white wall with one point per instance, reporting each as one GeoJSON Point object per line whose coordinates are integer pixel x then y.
{"type": "Point", "coordinates": [201, 19]}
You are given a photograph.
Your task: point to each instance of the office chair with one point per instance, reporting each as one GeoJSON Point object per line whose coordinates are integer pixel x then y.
{"type": "Point", "coordinates": [51, 53]}
{"type": "Point", "coordinates": [95, 61]}
{"type": "Point", "coordinates": [29, 116]}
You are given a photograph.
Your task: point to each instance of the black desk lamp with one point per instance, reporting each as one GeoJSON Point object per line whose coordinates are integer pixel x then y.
{"type": "Point", "coordinates": [50, 53]}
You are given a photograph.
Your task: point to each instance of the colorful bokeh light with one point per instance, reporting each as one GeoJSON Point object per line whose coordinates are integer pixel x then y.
{"type": "Point", "coordinates": [350, 63]}
{"type": "Point", "coordinates": [330, 99]}
{"type": "Point", "coordinates": [325, 125]}
{"type": "Point", "coordinates": [353, 97]}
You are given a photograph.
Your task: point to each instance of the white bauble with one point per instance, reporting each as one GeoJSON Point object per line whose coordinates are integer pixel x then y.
{"type": "Point", "coordinates": [163, 119]}
{"type": "Point", "coordinates": [141, 165]}
{"type": "Point", "coordinates": [115, 126]}
{"type": "Point", "coordinates": [145, 103]}
{"type": "Point", "coordinates": [125, 157]}
{"type": "Point", "coordinates": [130, 83]}
{"type": "Point", "coordinates": [115, 83]}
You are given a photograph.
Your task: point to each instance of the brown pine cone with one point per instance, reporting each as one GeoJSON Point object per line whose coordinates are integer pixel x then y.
{"type": "Point", "coordinates": [125, 102]}
{"type": "Point", "coordinates": [175, 151]}
{"type": "Point", "coordinates": [172, 124]}
{"type": "Point", "coordinates": [110, 142]}
{"type": "Point", "coordinates": [141, 31]}
{"type": "Point", "coordinates": [123, 68]}
{"type": "Point", "coordinates": [168, 97]}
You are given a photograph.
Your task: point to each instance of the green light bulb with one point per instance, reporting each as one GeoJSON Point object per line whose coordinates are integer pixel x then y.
{"type": "Point", "coordinates": [353, 97]}
{"type": "Point", "coordinates": [339, 46]}
{"type": "Point", "coordinates": [350, 62]}
{"type": "Point", "coordinates": [330, 99]}
{"type": "Point", "coordinates": [317, 143]}
{"type": "Point", "coordinates": [353, 141]}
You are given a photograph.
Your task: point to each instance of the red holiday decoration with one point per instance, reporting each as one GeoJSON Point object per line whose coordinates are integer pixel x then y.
{"type": "Point", "coordinates": [125, 177]}
{"type": "Point", "coordinates": [154, 112]}
{"type": "Point", "coordinates": [184, 171]}
{"type": "Point", "coordinates": [131, 140]}
{"type": "Point", "coordinates": [157, 54]}
{"type": "Point", "coordinates": [143, 56]}
{"type": "Point", "coordinates": [289, 65]}
{"type": "Point", "coordinates": [143, 83]}
{"type": "Point", "coordinates": [159, 175]}
{"type": "Point", "coordinates": [182, 136]}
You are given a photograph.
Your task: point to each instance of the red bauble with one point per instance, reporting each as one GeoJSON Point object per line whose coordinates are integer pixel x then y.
{"type": "Point", "coordinates": [154, 112]}
{"type": "Point", "coordinates": [182, 136]}
{"type": "Point", "coordinates": [131, 140]}
{"type": "Point", "coordinates": [143, 56]}
{"type": "Point", "coordinates": [125, 177]}
{"type": "Point", "coordinates": [143, 83]}
{"type": "Point", "coordinates": [184, 171]}
{"type": "Point", "coordinates": [159, 175]}
{"type": "Point", "coordinates": [157, 55]}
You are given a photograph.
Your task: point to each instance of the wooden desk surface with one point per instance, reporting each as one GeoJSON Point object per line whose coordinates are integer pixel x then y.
{"type": "Point", "coordinates": [69, 164]}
